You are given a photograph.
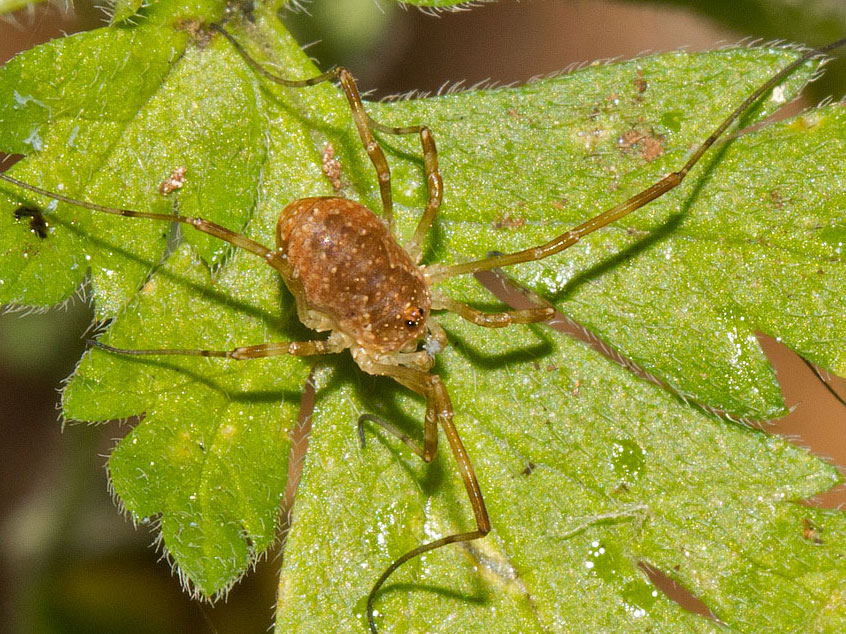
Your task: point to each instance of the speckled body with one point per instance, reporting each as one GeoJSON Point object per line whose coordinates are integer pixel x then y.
{"type": "Point", "coordinates": [353, 271]}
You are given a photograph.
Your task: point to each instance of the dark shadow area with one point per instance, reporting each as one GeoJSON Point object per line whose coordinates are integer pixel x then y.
{"type": "Point", "coordinates": [485, 360]}
{"type": "Point", "coordinates": [381, 396]}
{"type": "Point", "coordinates": [402, 587]}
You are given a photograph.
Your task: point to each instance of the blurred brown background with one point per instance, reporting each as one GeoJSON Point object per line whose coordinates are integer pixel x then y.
{"type": "Point", "coordinates": [68, 561]}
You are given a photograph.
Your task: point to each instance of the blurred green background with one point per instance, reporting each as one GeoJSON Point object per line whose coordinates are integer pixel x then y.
{"type": "Point", "coordinates": [69, 562]}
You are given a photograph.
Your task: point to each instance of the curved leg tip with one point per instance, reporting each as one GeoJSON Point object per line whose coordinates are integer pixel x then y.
{"type": "Point", "coordinates": [360, 429]}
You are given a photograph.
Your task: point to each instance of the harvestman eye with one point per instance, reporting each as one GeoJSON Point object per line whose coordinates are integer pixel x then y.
{"type": "Point", "coordinates": [334, 288]}
{"type": "Point", "coordinates": [413, 317]}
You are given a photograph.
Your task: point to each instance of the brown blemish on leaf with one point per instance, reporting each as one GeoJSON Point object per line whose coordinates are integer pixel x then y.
{"type": "Point", "coordinates": [637, 232]}
{"type": "Point", "coordinates": [780, 200]}
{"type": "Point", "coordinates": [507, 221]}
{"type": "Point", "coordinates": [640, 83]}
{"type": "Point", "coordinates": [173, 182]}
{"type": "Point", "coordinates": [650, 145]}
{"type": "Point", "coordinates": [196, 29]}
{"type": "Point", "coordinates": [811, 532]}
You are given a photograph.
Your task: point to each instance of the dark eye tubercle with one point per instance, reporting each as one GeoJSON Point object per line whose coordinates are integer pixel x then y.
{"type": "Point", "coordinates": [413, 316]}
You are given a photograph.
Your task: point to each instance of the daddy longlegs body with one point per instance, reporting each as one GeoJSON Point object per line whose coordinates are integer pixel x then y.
{"type": "Point", "coordinates": [349, 276]}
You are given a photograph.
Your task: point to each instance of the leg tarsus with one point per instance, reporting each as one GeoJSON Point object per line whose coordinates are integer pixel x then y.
{"type": "Point", "coordinates": [438, 410]}
{"type": "Point", "coordinates": [424, 548]}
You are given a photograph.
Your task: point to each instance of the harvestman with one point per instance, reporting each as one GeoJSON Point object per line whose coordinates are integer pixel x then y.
{"type": "Point", "coordinates": [350, 276]}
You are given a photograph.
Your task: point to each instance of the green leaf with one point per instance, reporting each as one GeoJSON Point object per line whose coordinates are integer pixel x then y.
{"type": "Point", "coordinates": [581, 463]}
{"type": "Point", "coordinates": [587, 472]}
{"type": "Point", "coordinates": [123, 10]}
{"type": "Point", "coordinates": [696, 265]}
{"type": "Point", "coordinates": [86, 138]}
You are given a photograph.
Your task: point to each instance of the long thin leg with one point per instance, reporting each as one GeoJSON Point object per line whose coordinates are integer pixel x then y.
{"type": "Point", "coordinates": [434, 184]}
{"type": "Point", "coordinates": [241, 353]}
{"type": "Point", "coordinates": [571, 237]}
{"type": "Point", "coordinates": [363, 122]}
{"type": "Point", "coordinates": [374, 151]}
{"type": "Point", "coordinates": [200, 224]}
{"type": "Point", "coordinates": [272, 257]}
{"type": "Point", "coordinates": [493, 320]}
{"type": "Point", "coordinates": [438, 410]}
{"type": "Point", "coordinates": [348, 85]}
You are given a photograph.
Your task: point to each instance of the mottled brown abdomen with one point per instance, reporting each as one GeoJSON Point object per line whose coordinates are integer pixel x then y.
{"type": "Point", "coordinates": [352, 269]}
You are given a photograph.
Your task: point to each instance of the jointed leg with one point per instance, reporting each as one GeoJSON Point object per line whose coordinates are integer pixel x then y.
{"type": "Point", "coordinates": [363, 123]}
{"type": "Point", "coordinates": [430, 425]}
{"type": "Point", "coordinates": [492, 320]}
{"type": "Point", "coordinates": [567, 239]}
{"type": "Point", "coordinates": [200, 224]}
{"type": "Point", "coordinates": [241, 353]}
{"type": "Point", "coordinates": [438, 410]}
{"type": "Point", "coordinates": [348, 85]}
{"type": "Point", "coordinates": [669, 182]}
{"type": "Point", "coordinates": [434, 184]}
